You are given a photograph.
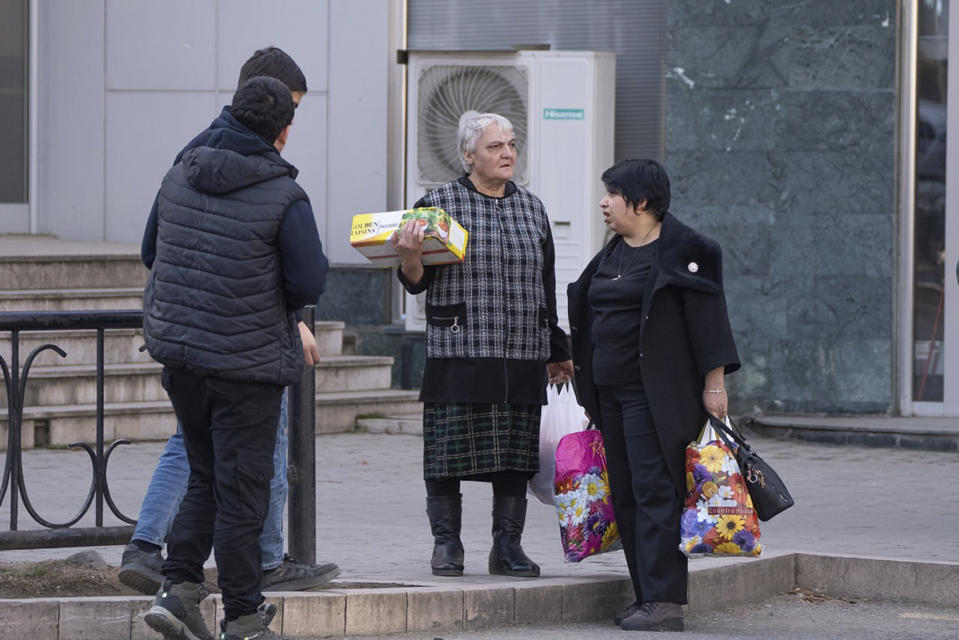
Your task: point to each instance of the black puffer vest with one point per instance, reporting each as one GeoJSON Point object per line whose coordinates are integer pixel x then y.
{"type": "Point", "coordinates": [214, 303]}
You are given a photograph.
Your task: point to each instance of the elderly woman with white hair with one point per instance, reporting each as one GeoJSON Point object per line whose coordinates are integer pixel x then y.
{"type": "Point", "coordinates": [492, 340]}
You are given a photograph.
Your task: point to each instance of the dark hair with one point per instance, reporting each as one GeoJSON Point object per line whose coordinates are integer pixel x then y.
{"type": "Point", "coordinates": [263, 105]}
{"type": "Point", "coordinates": [638, 180]}
{"type": "Point", "coordinates": [275, 63]}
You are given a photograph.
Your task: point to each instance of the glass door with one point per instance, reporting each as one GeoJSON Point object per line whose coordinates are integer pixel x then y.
{"type": "Point", "coordinates": [931, 374]}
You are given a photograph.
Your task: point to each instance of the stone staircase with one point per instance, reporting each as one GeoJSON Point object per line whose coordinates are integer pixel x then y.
{"type": "Point", "coordinates": [60, 397]}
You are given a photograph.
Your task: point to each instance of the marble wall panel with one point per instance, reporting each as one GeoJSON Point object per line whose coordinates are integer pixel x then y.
{"type": "Point", "coordinates": [810, 12]}
{"type": "Point", "coordinates": [858, 121]}
{"type": "Point", "coordinates": [833, 245]}
{"type": "Point", "coordinates": [725, 120]}
{"type": "Point", "coordinates": [844, 182]}
{"type": "Point", "coordinates": [745, 57]}
{"type": "Point", "coordinates": [745, 247]}
{"type": "Point", "coordinates": [843, 58]}
{"type": "Point", "coordinates": [840, 309]}
{"type": "Point", "coordinates": [356, 296]}
{"type": "Point", "coordinates": [758, 306]}
{"type": "Point", "coordinates": [819, 375]}
{"type": "Point", "coordinates": [700, 178]}
{"type": "Point", "coordinates": [798, 185]}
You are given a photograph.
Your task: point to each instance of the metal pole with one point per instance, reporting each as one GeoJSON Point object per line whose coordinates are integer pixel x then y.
{"type": "Point", "coordinates": [301, 467]}
{"type": "Point", "coordinates": [100, 468]}
{"type": "Point", "coordinates": [15, 425]}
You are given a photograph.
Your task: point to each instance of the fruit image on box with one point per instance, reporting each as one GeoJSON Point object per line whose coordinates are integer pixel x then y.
{"type": "Point", "coordinates": [444, 239]}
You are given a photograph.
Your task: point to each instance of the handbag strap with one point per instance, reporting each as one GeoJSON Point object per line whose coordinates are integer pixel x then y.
{"type": "Point", "coordinates": [729, 432]}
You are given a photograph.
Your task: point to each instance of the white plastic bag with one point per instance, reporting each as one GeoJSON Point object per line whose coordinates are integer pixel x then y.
{"type": "Point", "coordinates": [561, 415]}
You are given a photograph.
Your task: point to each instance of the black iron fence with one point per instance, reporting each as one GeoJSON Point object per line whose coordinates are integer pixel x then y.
{"type": "Point", "coordinates": [301, 471]}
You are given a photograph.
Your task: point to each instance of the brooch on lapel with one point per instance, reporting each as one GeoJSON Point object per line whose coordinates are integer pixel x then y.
{"type": "Point", "coordinates": [693, 267]}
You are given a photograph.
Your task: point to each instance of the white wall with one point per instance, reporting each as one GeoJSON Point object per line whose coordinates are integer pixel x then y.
{"type": "Point", "coordinates": [71, 119]}
{"type": "Point", "coordinates": [124, 84]}
{"type": "Point", "coordinates": [357, 159]}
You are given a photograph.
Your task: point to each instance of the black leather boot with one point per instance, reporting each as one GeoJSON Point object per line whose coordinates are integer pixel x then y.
{"type": "Point", "coordinates": [445, 520]}
{"type": "Point", "coordinates": [507, 558]}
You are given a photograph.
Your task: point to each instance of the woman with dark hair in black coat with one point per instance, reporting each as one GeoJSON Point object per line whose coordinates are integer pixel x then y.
{"type": "Point", "coordinates": [651, 343]}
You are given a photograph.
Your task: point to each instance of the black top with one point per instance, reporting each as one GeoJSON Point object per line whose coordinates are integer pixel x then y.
{"type": "Point", "coordinates": [616, 302]}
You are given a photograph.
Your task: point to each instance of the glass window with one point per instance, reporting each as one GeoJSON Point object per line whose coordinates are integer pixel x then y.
{"type": "Point", "coordinates": [14, 107]}
{"type": "Point", "coordinates": [930, 203]}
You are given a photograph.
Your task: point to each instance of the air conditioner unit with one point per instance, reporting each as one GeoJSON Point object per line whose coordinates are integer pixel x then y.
{"type": "Point", "coordinates": [562, 106]}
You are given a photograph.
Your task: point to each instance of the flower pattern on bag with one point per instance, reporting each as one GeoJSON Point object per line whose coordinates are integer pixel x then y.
{"type": "Point", "coordinates": [587, 525]}
{"type": "Point", "coordinates": [719, 518]}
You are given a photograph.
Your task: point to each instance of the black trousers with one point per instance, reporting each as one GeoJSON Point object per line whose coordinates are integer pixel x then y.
{"type": "Point", "coordinates": [646, 503]}
{"type": "Point", "coordinates": [229, 429]}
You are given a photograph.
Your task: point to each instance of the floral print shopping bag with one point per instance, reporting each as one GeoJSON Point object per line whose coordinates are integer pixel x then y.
{"type": "Point", "coordinates": [718, 518]}
{"type": "Point", "coordinates": [581, 496]}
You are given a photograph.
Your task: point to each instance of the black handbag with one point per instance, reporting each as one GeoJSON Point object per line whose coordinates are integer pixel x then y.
{"type": "Point", "coordinates": [767, 490]}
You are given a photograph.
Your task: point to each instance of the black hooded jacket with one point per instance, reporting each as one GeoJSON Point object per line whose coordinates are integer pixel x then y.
{"type": "Point", "coordinates": [233, 250]}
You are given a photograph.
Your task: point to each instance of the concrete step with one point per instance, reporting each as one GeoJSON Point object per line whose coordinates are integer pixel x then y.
{"type": "Point", "coordinates": [122, 346]}
{"type": "Point", "coordinates": [76, 384]}
{"type": "Point", "coordinates": [71, 271]}
{"type": "Point", "coordinates": [336, 412]}
{"type": "Point", "coordinates": [71, 299]}
{"type": "Point", "coordinates": [407, 423]}
{"type": "Point", "coordinates": [349, 373]}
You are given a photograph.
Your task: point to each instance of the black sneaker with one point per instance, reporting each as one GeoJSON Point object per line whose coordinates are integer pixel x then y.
{"type": "Point", "coordinates": [254, 626]}
{"type": "Point", "coordinates": [141, 570]}
{"type": "Point", "coordinates": [267, 612]}
{"type": "Point", "coordinates": [176, 612]}
{"type": "Point", "coordinates": [655, 616]}
{"type": "Point", "coordinates": [296, 576]}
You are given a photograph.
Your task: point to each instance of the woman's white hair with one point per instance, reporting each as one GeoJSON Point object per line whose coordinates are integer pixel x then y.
{"type": "Point", "coordinates": [471, 128]}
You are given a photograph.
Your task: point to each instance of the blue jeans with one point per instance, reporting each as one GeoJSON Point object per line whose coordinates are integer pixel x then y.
{"type": "Point", "coordinates": [168, 486]}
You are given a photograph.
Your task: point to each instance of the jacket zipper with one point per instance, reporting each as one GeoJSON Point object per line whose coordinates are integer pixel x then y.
{"type": "Point", "coordinates": [455, 327]}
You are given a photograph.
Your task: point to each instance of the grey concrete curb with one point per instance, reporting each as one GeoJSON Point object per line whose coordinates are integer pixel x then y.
{"type": "Point", "coordinates": [881, 432]}
{"type": "Point", "coordinates": [370, 611]}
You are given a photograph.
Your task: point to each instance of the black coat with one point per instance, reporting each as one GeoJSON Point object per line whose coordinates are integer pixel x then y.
{"type": "Point", "coordinates": [684, 333]}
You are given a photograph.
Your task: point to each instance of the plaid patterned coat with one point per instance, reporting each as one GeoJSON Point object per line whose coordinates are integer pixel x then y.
{"type": "Point", "coordinates": [496, 294]}
{"type": "Point", "coordinates": [491, 320]}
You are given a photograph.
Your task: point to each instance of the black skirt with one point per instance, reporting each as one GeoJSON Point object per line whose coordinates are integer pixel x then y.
{"type": "Point", "coordinates": [466, 439]}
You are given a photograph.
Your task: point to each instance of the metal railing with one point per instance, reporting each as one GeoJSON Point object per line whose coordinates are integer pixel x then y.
{"type": "Point", "coordinates": [301, 468]}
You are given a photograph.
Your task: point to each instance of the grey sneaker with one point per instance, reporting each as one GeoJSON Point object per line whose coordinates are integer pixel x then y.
{"type": "Point", "coordinates": [141, 570]}
{"type": "Point", "coordinates": [176, 612]}
{"type": "Point", "coordinates": [254, 626]}
{"type": "Point", "coordinates": [625, 613]}
{"type": "Point", "coordinates": [655, 616]}
{"type": "Point", "coordinates": [295, 576]}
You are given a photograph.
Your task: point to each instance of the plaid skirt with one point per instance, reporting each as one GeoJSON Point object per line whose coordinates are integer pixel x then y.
{"type": "Point", "coordinates": [461, 440]}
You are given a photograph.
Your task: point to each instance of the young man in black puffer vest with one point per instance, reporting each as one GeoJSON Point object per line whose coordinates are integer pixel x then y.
{"type": "Point", "coordinates": [237, 252]}
{"type": "Point", "coordinates": [141, 567]}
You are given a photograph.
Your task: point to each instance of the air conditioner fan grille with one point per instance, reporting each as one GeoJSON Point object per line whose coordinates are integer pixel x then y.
{"type": "Point", "coordinates": [444, 93]}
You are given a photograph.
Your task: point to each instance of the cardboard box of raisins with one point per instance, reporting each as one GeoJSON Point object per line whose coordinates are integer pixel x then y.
{"type": "Point", "coordinates": [444, 238]}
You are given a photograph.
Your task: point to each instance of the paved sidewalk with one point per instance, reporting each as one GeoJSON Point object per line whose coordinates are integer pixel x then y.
{"type": "Point", "coordinates": [371, 520]}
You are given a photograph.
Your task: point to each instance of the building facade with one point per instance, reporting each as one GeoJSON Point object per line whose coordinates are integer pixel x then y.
{"type": "Point", "coordinates": [808, 138]}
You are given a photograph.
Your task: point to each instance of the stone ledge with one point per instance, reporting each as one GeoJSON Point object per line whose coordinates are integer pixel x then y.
{"type": "Point", "coordinates": [927, 434]}
{"type": "Point", "coordinates": [367, 611]}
